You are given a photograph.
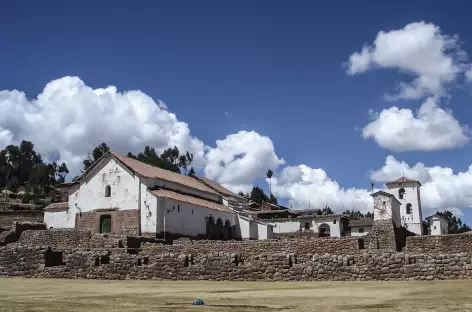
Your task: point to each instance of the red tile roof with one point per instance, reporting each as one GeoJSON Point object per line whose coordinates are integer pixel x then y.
{"type": "Point", "coordinates": [149, 171]}
{"type": "Point", "coordinates": [402, 180]}
{"type": "Point", "coordinates": [190, 199]}
{"type": "Point", "coordinates": [63, 205]}
{"type": "Point", "coordinates": [217, 187]}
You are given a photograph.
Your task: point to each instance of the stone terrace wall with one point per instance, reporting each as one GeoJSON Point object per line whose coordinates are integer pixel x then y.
{"type": "Point", "coordinates": [443, 243]}
{"type": "Point", "coordinates": [117, 264]}
{"type": "Point", "coordinates": [297, 234]}
{"type": "Point", "coordinates": [14, 232]}
{"type": "Point", "coordinates": [70, 238]}
{"type": "Point", "coordinates": [8, 217]}
{"type": "Point", "coordinates": [290, 246]}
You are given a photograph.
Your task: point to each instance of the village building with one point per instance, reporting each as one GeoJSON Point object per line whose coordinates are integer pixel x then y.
{"type": "Point", "coordinates": [121, 195]}
{"type": "Point", "coordinates": [437, 225]}
{"type": "Point", "coordinates": [361, 227]}
{"type": "Point", "coordinates": [309, 220]}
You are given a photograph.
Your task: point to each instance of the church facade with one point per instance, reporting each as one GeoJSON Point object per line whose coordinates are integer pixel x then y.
{"type": "Point", "coordinates": [121, 195]}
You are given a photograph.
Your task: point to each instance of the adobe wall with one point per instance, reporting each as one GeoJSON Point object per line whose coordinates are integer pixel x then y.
{"type": "Point", "coordinates": [443, 243]}
{"type": "Point", "coordinates": [125, 222]}
{"type": "Point", "coordinates": [229, 265]}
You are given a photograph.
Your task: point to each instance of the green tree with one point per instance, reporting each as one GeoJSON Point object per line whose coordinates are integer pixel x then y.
{"type": "Point", "coordinates": [97, 152]}
{"type": "Point", "coordinates": [170, 159]}
{"type": "Point", "coordinates": [326, 210]}
{"type": "Point", "coordinates": [23, 166]}
{"type": "Point", "coordinates": [454, 225]}
{"type": "Point", "coordinates": [356, 215]}
{"type": "Point", "coordinates": [272, 199]}
{"type": "Point", "coordinates": [258, 195]}
{"type": "Point", "coordinates": [191, 172]}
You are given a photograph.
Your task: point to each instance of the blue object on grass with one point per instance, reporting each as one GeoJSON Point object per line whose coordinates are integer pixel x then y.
{"type": "Point", "coordinates": [198, 302]}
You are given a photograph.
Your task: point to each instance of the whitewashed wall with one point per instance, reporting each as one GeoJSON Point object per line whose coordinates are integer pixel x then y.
{"type": "Point", "coordinates": [58, 219]}
{"type": "Point", "coordinates": [334, 223]}
{"type": "Point", "coordinates": [438, 226]}
{"type": "Point", "coordinates": [355, 230]}
{"type": "Point", "coordinates": [264, 231]}
{"type": "Point", "coordinates": [149, 212]}
{"type": "Point", "coordinates": [243, 227]}
{"type": "Point", "coordinates": [124, 188]}
{"type": "Point", "coordinates": [286, 226]}
{"type": "Point", "coordinates": [91, 194]}
{"type": "Point", "coordinates": [190, 219]}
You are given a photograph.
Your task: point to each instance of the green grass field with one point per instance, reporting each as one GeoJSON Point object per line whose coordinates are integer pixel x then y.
{"type": "Point", "coordinates": [17, 294]}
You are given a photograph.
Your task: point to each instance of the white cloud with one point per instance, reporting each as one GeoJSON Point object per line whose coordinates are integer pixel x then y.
{"type": "Point", "coordinates": [431, 128]}
{"type": "Point", "coordinates": [240, 158]}
{"type": "Point", "coordinates": [442, 188]}
{"type": "Point", "coordinates": [420, 50]}
{"type": "Point", "coordinates": [468, 74]}
{"type": "Point", "coordinates": [72, 118]}
{"type": "Point", "coordinates": [304, 186]}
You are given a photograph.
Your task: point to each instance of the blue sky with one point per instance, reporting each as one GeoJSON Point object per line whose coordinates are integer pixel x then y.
{"type": "Point", "coordinates": [272, 67]}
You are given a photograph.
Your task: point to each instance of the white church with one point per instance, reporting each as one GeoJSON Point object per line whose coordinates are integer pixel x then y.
{"type": "Point", "coordinates": [407, 192]}
{"type": "Point", "coordinates": [121, 195]}
{"type": "Point", "coordinates": [406, 212]}
{"type": "Point", "coordinates": [408, 202]}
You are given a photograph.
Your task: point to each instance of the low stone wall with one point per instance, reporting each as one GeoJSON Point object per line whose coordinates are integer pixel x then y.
{"type": "Point", "coordinates": [290, 246]}
{"type": "Point", "coordinates": [70, 239]}
{"type": "Point", "coordinates": [8, 217]}
{"type": "Point", "coordinates": [443, 243]}
{"type": "Point", "coordinates": [231, 266]}
{"type": "Point", "coordinates": [13, 233]}
{"type": "Point", "coordinates": [297, 234]}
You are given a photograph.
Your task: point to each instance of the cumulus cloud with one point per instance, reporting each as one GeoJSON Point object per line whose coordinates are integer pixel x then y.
{"type": "Point", "coordinates": [419, 49]}
{"type": "Point", "coordinates": [68, 119]}
{"type": "Point", "coordinates": [304, 186]}
{"type": "Point", "coordinates": [442, 188]}
{"type": "Point", "coordinates": [240, 158]}
{"type": "Point", "coordinates": [431, 128]}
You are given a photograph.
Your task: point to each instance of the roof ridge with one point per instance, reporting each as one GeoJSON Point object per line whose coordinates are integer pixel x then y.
{"type": "Point", "coordinates": [154, 172]}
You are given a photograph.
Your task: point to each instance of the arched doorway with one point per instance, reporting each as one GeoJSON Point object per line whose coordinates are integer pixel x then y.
{"type": "Point", "coordinates": [323, 230]}
{"type": "Point", "coordinates": [210, 227]}
{"type": "Point", "coordinates": [228, 231]}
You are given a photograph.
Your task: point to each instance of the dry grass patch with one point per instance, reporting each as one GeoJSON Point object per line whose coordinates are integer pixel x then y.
{"type": "Point", "coordinates": [17, 294]}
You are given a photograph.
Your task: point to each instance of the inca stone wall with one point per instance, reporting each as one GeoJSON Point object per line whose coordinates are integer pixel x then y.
{"type": "Point", "coordinates": [12, 211]}
{"type": "Point", "coordinates": [8, 217]}
{"type": "Point", "coordinates": [228, 265]}
{"type": "Point", "coordinates": [383, 235]}
{"type": "Point", "coordinates": [443, 243]}
{"type": "Point", "coordinates": [289, 246]}
{"type": "Point", "coordinates": [70, 238]}
{"type": "Point", "coordinates": [14, 232]}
